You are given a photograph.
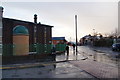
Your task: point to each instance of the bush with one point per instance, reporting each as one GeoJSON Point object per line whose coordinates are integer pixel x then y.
{"type": "Point", "coordinates": [103, 42]}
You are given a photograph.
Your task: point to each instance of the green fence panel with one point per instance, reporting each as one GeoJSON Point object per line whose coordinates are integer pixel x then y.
{"type": "Point", "coordinates": [43, 48]}
{"type": "Point", "coordinates": [32, 47]}
{"type": "Point", "coordinates": [0, 49]}
{"type": "Point", "coordinates": [48, 48]}
{"type": "Point", "coordinates": [57, 47]}
{"type": "Point", "coordinates": [63, 47]}
{"type": "Point", "coordinates": [7, 50]}
{"type": "Point", "coordinates": [40, 48]}
{"type": "Point", "coordinates": [60, 47]}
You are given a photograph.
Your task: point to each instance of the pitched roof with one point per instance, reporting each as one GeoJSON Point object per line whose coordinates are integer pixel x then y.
{"type": "Point", "coordinates": [58, 38]}
{"type": "Point", "coordinates": [27, 22]}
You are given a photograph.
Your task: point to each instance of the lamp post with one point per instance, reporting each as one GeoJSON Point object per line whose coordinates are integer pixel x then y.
{"type": "Point", "coordinates": [94, 32]}
{"type": "Point", "coordinates": [76, 32]}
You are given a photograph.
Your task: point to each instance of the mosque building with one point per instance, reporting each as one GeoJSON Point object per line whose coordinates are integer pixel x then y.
{"type": "Point", "coordinates": [23, 38]}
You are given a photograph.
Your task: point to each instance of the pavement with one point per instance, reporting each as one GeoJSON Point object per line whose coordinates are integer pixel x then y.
{"type": "Point", "coordinates": [99, 70]}
{"type": "Point", "coordinates": [95, 69]}
{"type": "Point", "coordinates": [58, 70]}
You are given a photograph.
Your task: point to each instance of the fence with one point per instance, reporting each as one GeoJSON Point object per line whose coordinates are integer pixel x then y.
{"type": "Point", "coordinates": [0, 51]}
{"type": "Point", "coordinates": [60, 47]}
{"type": "Point", "coordinates": [8, 49]}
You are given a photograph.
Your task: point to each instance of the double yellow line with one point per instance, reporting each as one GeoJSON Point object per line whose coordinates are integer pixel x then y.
{"type": "Point", "coordinates": [25, 66]}
{"type": "Point", "coordinates": [30, 65]}
{"type": "Point", "coordinates": [33, 65]}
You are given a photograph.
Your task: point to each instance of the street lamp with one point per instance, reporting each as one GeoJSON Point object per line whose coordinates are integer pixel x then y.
{"type": "Point", "coordinates": [76, 32]}
{"type": "Point", "coordinates": [94, 32]}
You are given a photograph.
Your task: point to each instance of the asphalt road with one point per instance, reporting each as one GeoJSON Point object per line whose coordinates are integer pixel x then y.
{"type": "Point", "coordinates": [100, 54]}
{"type": "Point", "coordinates": [58, 70]}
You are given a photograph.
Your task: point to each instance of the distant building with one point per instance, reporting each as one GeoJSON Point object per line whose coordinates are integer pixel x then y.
{"type": "Point", "coordinates": [59, 43]}
{"type": "Point", "coordinates": [57, 40]}
{"type": "Point", "coordinates": [88, 39]}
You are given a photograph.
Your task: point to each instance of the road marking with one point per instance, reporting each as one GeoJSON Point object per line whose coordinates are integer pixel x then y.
{"type": "Point", "coordinates": [34, 65]}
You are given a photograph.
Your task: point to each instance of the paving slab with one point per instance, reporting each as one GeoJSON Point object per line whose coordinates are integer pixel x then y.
{"type": "Point", "coordinates": [98, 69]}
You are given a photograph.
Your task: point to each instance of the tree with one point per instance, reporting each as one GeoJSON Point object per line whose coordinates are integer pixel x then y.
{"type": "Point", "coordinates": [101, 36]}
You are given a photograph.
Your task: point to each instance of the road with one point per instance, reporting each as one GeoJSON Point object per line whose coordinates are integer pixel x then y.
{"type": "Point", "coordinates": [100, 54]}
{"type": "Point", "coordinates": [77, 66]}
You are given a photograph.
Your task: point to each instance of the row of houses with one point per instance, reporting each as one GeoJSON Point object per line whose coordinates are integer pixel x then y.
{"type": "Point", "coordinates": [98, 40]}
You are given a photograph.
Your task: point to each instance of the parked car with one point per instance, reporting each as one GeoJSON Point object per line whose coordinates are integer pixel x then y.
{"type": "Point", "coordinates": [116, 47]}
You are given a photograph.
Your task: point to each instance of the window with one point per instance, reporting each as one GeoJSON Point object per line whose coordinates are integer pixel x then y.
{"type": "Point", "coordinates": [45, 35]}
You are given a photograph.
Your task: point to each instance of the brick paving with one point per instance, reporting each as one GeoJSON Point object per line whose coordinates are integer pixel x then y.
{"type": "Point", "coordinates": [98, 69]}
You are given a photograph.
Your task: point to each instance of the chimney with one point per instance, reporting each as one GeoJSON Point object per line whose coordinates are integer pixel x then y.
{"type": "Point", "coordinates": [35, 18]}
{"type": "Point", "coordinates": [1, 12]}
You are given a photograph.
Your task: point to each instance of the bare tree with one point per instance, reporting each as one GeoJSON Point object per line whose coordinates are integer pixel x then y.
{"type": "Point", "coordinates": [114, 33]}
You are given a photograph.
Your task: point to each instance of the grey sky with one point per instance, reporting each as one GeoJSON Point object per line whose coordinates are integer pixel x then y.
{"type": "Point", "coordinates": [101, 16]}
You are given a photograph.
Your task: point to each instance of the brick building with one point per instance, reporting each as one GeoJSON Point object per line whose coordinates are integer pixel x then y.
{"type": "Point", "coordinates": [59, 43]}
{"type": "Point", "coordinates": [57, 40]}
{"type": "Point", "coordinates": [40, 35]}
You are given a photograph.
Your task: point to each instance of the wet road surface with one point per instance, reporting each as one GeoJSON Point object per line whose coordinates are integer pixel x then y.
{"type": "Point", "coordinates": [58, 70]}
{"type": "Point", "coordinates": [104, 55]}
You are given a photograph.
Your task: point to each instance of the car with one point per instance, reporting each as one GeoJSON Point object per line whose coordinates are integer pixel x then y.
{"type": "Point", "coordinates": [116, 47]}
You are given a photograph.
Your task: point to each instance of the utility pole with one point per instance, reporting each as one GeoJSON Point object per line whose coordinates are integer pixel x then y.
{"type": "Point", "coordinates": [70, 39]}
{"type": "Point", "coordinates": [76, 32]}
{"type": "Point", "coordinates": [93, 32]}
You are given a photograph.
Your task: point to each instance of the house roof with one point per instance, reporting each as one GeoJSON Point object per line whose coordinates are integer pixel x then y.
{"type": "Point", "coordinates": [58, 38]}
{"type": "Point", "coordinates": [28, 22]}
{"type": "Point", "coordinates": [17, 20]}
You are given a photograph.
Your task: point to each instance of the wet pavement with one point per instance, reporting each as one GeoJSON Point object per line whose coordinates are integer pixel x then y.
{"type": "Point", "coordinates": [58, 70]}
{"type": "Point", "coordinates": [97, 69]}
{"type": "Point", "coordinates": [100, 54]}
{"type": "Point", "coordinates": [88, 63]}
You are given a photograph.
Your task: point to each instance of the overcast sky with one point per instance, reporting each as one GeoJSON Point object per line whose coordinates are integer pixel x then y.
{"type": "Point", "coordinates": [101, 16]}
